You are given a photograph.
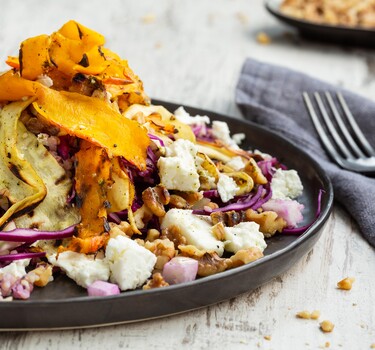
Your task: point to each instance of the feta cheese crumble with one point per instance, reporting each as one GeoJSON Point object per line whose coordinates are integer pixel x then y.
{"type": "Point", "coordinates": [236, 163]}
{"type": "Point", "coordinates": [16, 268]}
{"type": "Point", "coordinates": [220, 130]}
{"type": "Point", "coordinates": [286, 184]}
{"type": "Point", "coordinates": [226, 187]}
{"type": "Point", "coordinates": [195, 229]}
{"type": "Point", "coordinates": [178, 169]}
{"type": "Point", "coordinates": [186, 118]}
{"type": "Point", "coordinates": [242, 236]}
{"type": "Point", "coordinates": [130, 264]}
{"type": "Point", "coordinates": [83, 269]}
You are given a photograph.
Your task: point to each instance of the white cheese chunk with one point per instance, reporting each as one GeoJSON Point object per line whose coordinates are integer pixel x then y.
{"type": "Point", "coordinates": [242, 236]}
{"type": "Point", "coordinates": [195, 229]}
{"type": "Point", "coordinates": [220, 130]}
{"type": "Point", "coordinates": [16, 268]}
{"type": "Point", "coordinates": [178, 169]}
{"type": "Point", "coordinates": [286, 184]}
{"type": "Point", "coordinates": [83, 269]}
{"type": "Point", "coordinates": [186, 118]}
{"type": "Point", "coordinates": [238, 138]}
{"type": "Point", "coordinates": [236, 163]}
{"type": "Point", "coordinates": [130, 264]}
{"type": "Point", "coordinates": [226, 187]}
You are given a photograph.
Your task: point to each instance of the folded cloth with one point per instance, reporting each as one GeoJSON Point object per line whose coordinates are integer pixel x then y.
{"type": "Point", "coordinates": [272, 96]}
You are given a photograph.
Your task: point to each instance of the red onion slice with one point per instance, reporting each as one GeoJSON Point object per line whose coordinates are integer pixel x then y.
{"type": "Point", "coordinates": [102, 289]}
{"type": "Point", "coordinates": [180, 269]}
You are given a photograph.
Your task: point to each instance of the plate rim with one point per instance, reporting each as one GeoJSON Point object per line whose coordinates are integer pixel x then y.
{"type": "Point", "coordinates": [309, 233]}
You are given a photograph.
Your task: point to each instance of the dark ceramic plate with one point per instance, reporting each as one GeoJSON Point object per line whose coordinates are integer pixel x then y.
{"type": "Point", "coordinates": [62, 304]}
{"type": "Point", "coordinates": [353, 36]}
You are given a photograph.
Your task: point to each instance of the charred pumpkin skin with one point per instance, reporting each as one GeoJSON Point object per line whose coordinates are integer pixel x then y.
{"type": "Point", "coordinates": [96, 179]}
{"type": "Point", "coordinates": [93, 180]}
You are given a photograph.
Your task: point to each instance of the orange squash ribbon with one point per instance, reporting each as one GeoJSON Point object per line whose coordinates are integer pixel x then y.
{"type": "Point", "coordinates": [104, 131]}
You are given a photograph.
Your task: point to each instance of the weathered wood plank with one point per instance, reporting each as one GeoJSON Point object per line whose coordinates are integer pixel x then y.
{"type": "Point", "coordinates": [192, 53]}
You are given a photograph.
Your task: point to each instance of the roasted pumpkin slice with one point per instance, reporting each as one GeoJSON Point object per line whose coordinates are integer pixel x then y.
{"type": "Point", "coordinates": [19, 182]}
{"type": "Point", "coordinates": [75, 31]}
{"type": "Point", "coordinates": [93, 179]}
{"type": "Point", "coordinates": [13, 62]}
{"type": "Point", "coordinates": [94, 120]}
{"type": "Point", "coordinates": [34, 57]}
{"type": "Point", "coordinates": [14, 88]}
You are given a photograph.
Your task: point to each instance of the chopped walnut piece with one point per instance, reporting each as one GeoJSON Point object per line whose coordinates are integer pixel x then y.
{"type": "Point", "coordinates": [219, 231]}
{"type": "Point", "coordinates": [191, 251]}
{"type": "Point", "coordinates": [246, 256]}
{"type": "Point", "coordinates": [308, 315]}
{"type": "Point", "coordinates": [212, 205]}
{"type": "Point", "coordinates": [149, 18]}
{"type": "Point", "coordinates": [346, 283]}
{"type": "Point", "coordinates": [326, 326]}
{"type": "Point", "coordinates": [43, 274]}
{"type": "Point", "coordinates": [263, 38]}
{"type": "Point", "coordinates": [178, 202]}
{"type": "Point", "coordinates": [152, 234]}
{"type": "Point", "coordinates": [155, 198]}
{"type": "Point", "coordinates": [190, 197]}
{"type": "Point", "coordinates": [140, 242]}
{"type": "Point", "coordinates": [304, 314]}
{"type": "Point", "coordinates": [142, 216]}
{"type": "Point", "coordinates": [268, 221]}
{"type": "Point", "coordinates": [123, 228]}
{"type": "Point", "coordinates": [217, 217]}
{"type": "Point", "coordinates": [157, 281]}
{"type": "Point", "coordinates": [211, 263]}
{"type": "Point", "coordinates": [173, 233]}
{"type": "Point", "coordinates": [228, 218]}
{"type": "Point", "coordinates": [163, 249]}
{"type": "Point", "coordinates": [233, 218]}
{"type": "Point", "coordinates": [116, 230]}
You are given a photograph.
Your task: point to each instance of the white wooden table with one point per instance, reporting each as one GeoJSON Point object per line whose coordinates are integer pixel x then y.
{"type": "Point", "coordinates": [191, 52]}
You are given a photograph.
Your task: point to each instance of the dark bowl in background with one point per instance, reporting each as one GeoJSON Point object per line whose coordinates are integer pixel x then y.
{"type": "Point", "coordinates": [342, 35]}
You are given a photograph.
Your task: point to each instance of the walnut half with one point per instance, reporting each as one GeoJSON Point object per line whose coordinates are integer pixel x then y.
{"type": "Point", "coordinates": [269, 221]}
{"type": "Point", "coordinates": [246, 256]}
{"type": "Point", "coordinates": [210, 263]}
{"type": "Point", "coordinates": [157, 281]}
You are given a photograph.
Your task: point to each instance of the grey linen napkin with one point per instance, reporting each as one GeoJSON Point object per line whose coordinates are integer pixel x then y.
{"type": "Point", "coordinates": [272, 96]}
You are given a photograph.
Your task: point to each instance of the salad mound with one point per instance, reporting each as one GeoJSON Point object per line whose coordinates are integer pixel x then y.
{"type": "Point", "coordinates": [99, 184]}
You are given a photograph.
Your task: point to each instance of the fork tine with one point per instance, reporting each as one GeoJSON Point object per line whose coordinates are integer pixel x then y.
{"type": "Point", "coordinates": [332, 129]}
{"type": "Point", "coordinates": [343, 128]}
{"type": "Point", "coordinates": [320, 130]}
{"type": "Point", "coordinates": [357, 131]}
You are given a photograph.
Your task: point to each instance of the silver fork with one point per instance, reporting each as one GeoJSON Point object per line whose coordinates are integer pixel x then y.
{"type": "Point", "coordinates": [349, 148]}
